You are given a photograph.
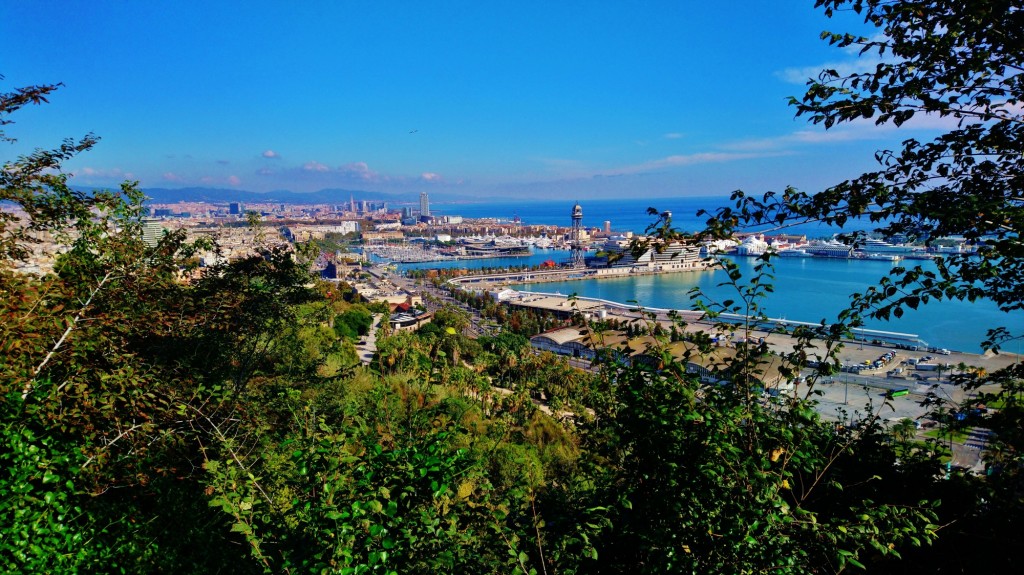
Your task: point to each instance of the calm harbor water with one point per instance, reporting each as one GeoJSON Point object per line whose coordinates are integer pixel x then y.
{"type": "Point", "coordinates": [806, 289]}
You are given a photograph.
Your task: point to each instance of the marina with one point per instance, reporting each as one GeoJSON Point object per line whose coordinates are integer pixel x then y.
{"type": "Point", "coordinates": [812, 279]}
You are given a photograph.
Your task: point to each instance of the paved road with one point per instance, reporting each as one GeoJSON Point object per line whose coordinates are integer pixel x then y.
{"type": "Point", "coordinates": [478, 325]}
{"type": "Point", "coordinates": [367, 348]}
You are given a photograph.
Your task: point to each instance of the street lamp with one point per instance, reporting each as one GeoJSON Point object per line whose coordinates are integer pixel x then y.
{"type": "Point", "coordinates": [846, 386]}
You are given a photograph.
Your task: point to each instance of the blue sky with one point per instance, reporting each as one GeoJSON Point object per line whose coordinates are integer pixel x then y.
{"type": "Point", "coordinates": [484, 99]}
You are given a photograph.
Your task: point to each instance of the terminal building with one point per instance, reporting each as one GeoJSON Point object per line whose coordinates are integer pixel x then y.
{"type": "Point", "coordinates": [711, 366]}
{"type": "Point", "coordinates": [656, 258]}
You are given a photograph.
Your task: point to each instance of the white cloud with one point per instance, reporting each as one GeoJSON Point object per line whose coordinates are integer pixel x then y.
{"type": "Point", "coordinates": [800, 75]}
{"type": "Point", "coordinates": [853, 63]}
{"type": "Point", "coordinates": [270, 154]}
{"type": "Point", "coordinates": [679, 160]}
{"type": "Point", "coordinates": [102, 173]}
{"type": "Point", "coordinates": [431, 177]}
{"type": "Point", "coordinates": [315, 166]}
{"type": "Point", "coordinates": [672, 136]}
{"type": "Point", "coordinates": [857, 130]}
{"type": "Point", "coordinates": [234, 180]}
{"type": "Point", "coordinates": [360, 171]}
{"type": "Point", "coordinates": [171, 177]}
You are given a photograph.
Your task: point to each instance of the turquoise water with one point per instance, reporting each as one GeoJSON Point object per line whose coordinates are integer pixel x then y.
{"type": "Point", "coordinates": [806, 289]}
{"type": "Point", "coordinates": [536, 258]}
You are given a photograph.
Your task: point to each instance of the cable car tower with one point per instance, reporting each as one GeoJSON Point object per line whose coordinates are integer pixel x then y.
{"type": "Point", "coordinates": [575, 243]}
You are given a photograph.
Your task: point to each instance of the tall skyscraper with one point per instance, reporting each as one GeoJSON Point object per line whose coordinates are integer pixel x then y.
{"type": "Point", "coordinates": [152, 231]}
{"type": "Point", "coordinates": [424, 204]}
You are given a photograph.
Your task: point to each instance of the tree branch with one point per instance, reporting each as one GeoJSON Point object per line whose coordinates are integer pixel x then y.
{"type": "Point", "coordinates": [74, 322]}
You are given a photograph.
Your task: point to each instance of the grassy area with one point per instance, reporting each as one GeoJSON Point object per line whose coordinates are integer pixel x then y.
{"type": "Point", "coordinates": [959, 436]}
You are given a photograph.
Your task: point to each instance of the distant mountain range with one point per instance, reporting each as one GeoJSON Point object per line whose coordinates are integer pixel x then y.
{"type": "Point", "coordinates": [221, 195]}
{"type": "Point", "coordinates": [325, 196]}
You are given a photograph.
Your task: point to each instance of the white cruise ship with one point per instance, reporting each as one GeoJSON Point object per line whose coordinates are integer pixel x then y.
{"type": "Point", "coordinates": [829, 249]}
{"type": "Point", "coordinates": [877, 246]}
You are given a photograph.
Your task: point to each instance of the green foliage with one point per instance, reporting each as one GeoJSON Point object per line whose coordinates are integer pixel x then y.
{"type": "Point", "coordinates": [41, 530]}
{"type": "Point", "coordinates": [962, 62]}
{"type": "Point", "coordinates": [398, 491]}
{"type": "Point", "coordinates": [221, 424]}
{"type": "Point", "coordinates": [353, 322]}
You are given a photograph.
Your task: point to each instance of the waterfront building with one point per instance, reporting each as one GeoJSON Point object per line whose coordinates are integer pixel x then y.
{"type": "Point", "coordinates": [753, 245]}
{"type": "Point", "coordinates": [671, 257]}
{"type": "Point", "coordinates": [711, 366]}
{"type": "Point", "coordinates": [719, 246]}
{"type": "Point", "coordinates": [407, 318]}
{"type": "Point", "coordinates": [569, 341]}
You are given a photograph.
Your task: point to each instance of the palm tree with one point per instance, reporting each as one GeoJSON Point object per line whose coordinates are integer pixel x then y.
{"type": "Point", "coordinates": [904, 430]}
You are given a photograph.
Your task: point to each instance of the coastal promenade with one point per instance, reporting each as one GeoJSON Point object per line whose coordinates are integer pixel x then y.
{"type": "Point", "coordinates": [497, 281]}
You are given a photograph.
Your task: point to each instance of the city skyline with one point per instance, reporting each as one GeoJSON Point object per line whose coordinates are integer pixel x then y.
{"type": "Point", "coordinates": [490, 101]}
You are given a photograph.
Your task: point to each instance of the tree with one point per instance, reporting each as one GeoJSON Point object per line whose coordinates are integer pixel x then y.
{"type": "Point", "coordinates": [961, 63]}
{"type": "Point", "coordinates": [85, 432]}
{"type": "Point", "coordinates": [956, 61]}
{"type": "Point", "coordinates": [115, 375]}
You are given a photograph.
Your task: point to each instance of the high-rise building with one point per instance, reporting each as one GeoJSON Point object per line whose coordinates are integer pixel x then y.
{"type": "Point", "coordinates": [607, 226]}
{"type": "Point", "coordinates": [424, 204]}
{"type": "Point", "coordinates": [235, 208]}
{"type": "Point", "coordinates": [152, 231]}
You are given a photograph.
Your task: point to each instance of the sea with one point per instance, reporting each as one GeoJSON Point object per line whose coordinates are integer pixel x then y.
{"type": "Point", "coordinates": [805, 289]}
{"type": "Point", "coordinates": [624, 215]}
